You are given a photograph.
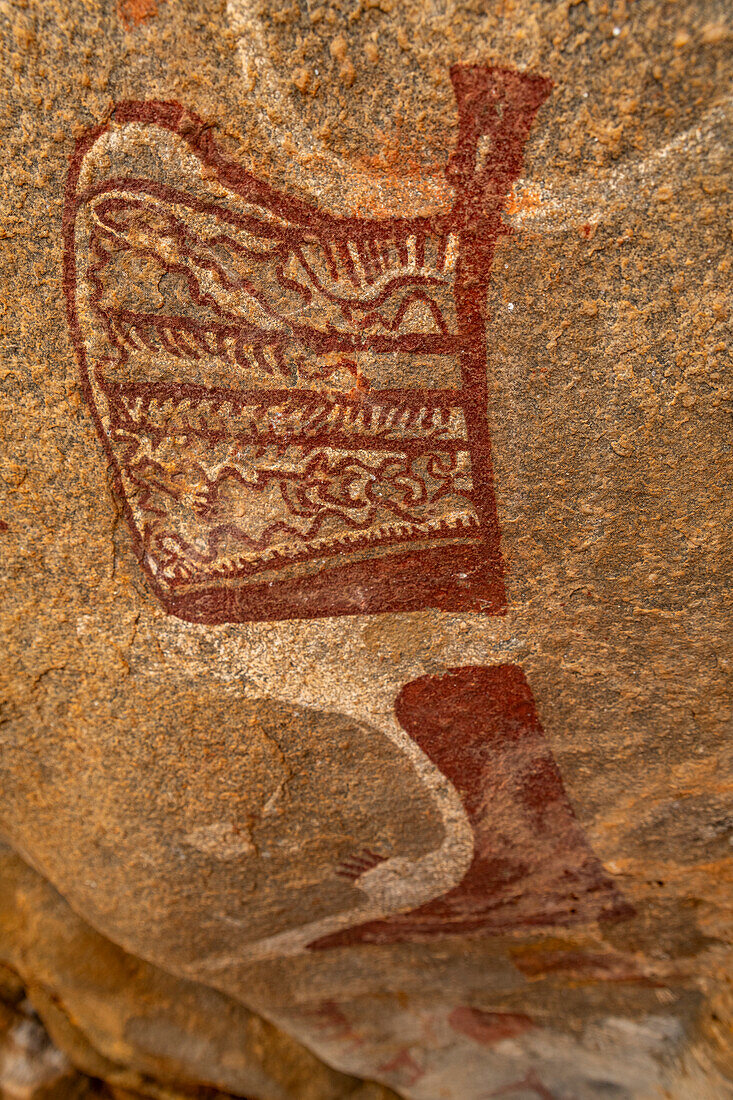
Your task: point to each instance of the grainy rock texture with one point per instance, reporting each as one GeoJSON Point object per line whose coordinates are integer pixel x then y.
{"type": "Point", "coordinates": [127, 1023]}
{"type": "Point", "coordinates": [366, 531]}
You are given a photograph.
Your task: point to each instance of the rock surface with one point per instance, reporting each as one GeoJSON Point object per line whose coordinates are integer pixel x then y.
{"type": "Point", "coordinates": [365, 518]}
{"type": "Point", "coordinates": [127, 1023]}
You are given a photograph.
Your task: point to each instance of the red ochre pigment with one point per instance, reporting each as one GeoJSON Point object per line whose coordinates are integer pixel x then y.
{"type": "Point", "coordinates": [342, 361]}
{"type": "Point", "coordinates": [532, 865]}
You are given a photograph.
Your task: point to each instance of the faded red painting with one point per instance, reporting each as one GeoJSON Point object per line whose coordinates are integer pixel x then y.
{"type": "Point", "coordinates": [532, 864]}
{"type": "Point", "coordinates": [295, 408]}
{"type": "Point", "coordinates": [294, 404]}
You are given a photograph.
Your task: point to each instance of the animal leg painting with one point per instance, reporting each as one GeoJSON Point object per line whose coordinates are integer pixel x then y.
{"type": "Point", "coordinates": [532, 865]}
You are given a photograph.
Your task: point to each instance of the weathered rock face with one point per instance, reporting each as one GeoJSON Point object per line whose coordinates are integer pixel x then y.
{"type": "Point", "coordinates": [130, 1024]}
{"type": "Point", "coordinates": [365, 517]}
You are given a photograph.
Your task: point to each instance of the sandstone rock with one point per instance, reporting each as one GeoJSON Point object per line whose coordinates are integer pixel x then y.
{"type": "Point", "coordinates": [30, 1066]}
{"type": "Point", "coordinates": [365, 510]}
{"type": "Point", "coordinates": [128, 1023]}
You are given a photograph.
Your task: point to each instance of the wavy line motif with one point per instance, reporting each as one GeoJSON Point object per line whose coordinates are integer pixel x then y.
{"type": "Point", "coordinates": [203, 507]}
{"type": "Point", "coordinates": [386, 286]}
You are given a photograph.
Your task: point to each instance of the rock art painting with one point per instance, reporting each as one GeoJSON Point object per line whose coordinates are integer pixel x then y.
{"type": "Point", "coordinates": [457, 824]}
{"type": "Point", "coordinates": [531, 862]}
{"type": "Point", "coordinates": [294, 404]}
{"type": "Point", "coordinates": [365, 512]}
